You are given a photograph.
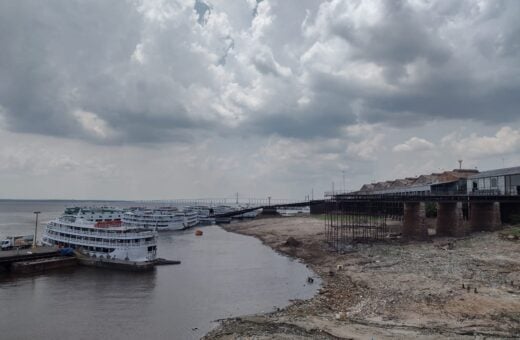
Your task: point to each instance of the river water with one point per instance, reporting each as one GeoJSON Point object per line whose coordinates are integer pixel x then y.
{"type": "Point", "coordinates": [222, 275]}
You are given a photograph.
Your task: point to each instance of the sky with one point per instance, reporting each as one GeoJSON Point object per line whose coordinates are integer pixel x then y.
{"type": "Point", "coordinates": [156, 99]}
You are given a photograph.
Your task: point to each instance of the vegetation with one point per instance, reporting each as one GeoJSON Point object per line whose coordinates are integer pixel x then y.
{"type": "Point", "coordinates": [511, 232]}
{"type": "Point", "coordinates": [431, 209]}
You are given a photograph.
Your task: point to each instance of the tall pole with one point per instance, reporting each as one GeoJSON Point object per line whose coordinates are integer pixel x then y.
{"type": "Point", "coordinates": [269, 198]}
{"type": "Point", "coordinates": [344, 189]}
{"type": "Point", "coordinates": [35, 229]}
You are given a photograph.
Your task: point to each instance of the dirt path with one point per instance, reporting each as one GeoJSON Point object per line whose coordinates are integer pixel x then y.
{"type": "Point", "coordinates": [390, 290]}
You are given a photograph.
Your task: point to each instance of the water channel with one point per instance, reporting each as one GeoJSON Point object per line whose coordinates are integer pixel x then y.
{"type": "Point", "coordinates": [222, 275]}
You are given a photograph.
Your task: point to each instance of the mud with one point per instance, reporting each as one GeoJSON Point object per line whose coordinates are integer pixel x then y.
{"type": "Point", "coordinates": [458, 288]}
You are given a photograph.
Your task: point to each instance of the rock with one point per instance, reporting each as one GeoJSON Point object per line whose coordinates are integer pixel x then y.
{"type": "Point", "coordinates": [292, 242]}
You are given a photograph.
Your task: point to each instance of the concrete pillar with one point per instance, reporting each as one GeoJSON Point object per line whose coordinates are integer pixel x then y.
{"type": "Point", "coordinates": [450, 219]}
{"type": "Point", "coordinates": [414, 224]}
{"type": "Point", "coordinates": [484, 216]}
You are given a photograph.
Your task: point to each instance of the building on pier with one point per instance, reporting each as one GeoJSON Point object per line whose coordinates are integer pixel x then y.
{"type": "Point", "coordinates": [458, 181]}
{"type": "Point", "coordinates": [454, 181]}
{"type": "Point", "coordinates": [495, 182]}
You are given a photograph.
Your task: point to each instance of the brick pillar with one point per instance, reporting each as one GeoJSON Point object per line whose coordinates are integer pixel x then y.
{"type": "Point", "coordinates": [414, 226]}
{"type": "Point", "coordinates": [450, 219]}
{"type": "Point", "coordinates": [485, 216]}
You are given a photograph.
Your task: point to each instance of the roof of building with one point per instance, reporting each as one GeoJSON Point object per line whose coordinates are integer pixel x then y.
{"type": "Point", "coordinates": [497, 172]}
{"type": "Point", "coordinates": [421, 181]}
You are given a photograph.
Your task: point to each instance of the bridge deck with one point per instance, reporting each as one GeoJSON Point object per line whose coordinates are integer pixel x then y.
{"type": "Point", "coordinates": [427, 198]}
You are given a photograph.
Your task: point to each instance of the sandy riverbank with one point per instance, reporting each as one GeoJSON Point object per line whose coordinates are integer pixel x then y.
{"type": "Point", "coordinates": [396, 290]}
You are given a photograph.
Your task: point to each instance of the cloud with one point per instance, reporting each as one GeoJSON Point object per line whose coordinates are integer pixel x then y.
{"type": "Point", "coordinates": [367, 148]}
{"type": "Point", "coordinates": [414, 144]}
{"type": "Point", "coordinates": [156, 72]}
{"type": "Point", "coordinates": [283, 90]}
{"type": "Point", "coordinates": [505, 141]}
{"type": "Point", "coordinates": [420, 60]}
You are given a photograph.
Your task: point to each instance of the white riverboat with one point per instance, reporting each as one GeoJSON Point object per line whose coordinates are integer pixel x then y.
{"type": "Point", "coordinates": [100, 233]}
{"type": "Point", "coordinates": [204, 213]}
{"type": "Point", "coordinates": [160, 219]}
{"type": "Point", "coordinates": [191, 218]}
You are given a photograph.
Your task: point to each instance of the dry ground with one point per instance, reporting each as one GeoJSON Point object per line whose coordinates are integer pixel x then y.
{"type": "Point", "coordinates": [391, 290]}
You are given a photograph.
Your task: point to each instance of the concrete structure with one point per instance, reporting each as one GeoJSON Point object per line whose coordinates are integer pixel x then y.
{"type": "Point", "coordinates": [485, 216]}
{"type": "Point", "coordinates": [466, 201]}
{"type": "Point", "coordinates": [450, 219]}
{"type": "Point", "coordinates": [414, 221]}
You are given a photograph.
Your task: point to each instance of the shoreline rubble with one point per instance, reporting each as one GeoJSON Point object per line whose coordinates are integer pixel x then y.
{"type": "Point", "coordinates": [389, 289]}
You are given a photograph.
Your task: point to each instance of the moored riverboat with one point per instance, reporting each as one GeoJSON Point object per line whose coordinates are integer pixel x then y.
{"type": "Point", "coordinates": [100, 233]}
{"type": "Point", "coordinates": [161, 219]}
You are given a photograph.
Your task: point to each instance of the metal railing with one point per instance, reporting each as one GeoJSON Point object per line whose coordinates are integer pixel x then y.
{"type": "Point", "coordinates": [110, 243]}
{"type": "Point", "coordinates": [105, 235]}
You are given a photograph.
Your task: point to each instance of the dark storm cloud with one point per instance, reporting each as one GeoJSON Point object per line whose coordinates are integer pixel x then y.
{"type": "Point", "coordinates": [50, 49]}
{"type": "Point", "coordinates": [203, 10]}
{"type": "Point", "coordinates": [143, 72]}
{"type": "Point", "coordinates": [325, 120]}
{"type": "Point", "coordinates": [434, 70]}
{"type": "Point", "coordinates": [399, 38]}
{"type": "Point", "coordinates": [60, 57]}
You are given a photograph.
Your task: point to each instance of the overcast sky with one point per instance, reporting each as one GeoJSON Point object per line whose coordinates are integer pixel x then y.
{"type": "Point", "coordinates": [114, 99]}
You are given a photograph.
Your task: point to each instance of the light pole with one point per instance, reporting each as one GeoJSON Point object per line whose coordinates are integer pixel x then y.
{"type": "Point", "coordinates": [35, 228]}
{"type": "Point", "coordinates": [344, 189]}
{"type": "Point", "coordinates": [269, 199]}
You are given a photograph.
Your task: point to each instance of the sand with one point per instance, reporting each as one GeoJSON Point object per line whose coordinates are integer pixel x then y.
{"type": "Point", "coordinates": [390, 289]}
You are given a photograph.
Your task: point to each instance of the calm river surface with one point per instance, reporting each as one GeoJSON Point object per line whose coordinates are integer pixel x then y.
{"type": "Point", "coordinates": [222, 274]}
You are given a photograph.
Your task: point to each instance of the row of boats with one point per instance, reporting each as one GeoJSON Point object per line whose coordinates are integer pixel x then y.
{"type": "Point", "coordinates": [131, 234]}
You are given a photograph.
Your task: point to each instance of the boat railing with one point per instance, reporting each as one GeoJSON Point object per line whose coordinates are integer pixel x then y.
{"type": "Point", "coordinates": [111, 235]}
{"type": "Point", "coordinates": [111, 243]}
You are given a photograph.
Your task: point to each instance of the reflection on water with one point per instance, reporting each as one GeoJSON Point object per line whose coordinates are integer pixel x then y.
{"type": "Point", "coordinates": [222, 274]}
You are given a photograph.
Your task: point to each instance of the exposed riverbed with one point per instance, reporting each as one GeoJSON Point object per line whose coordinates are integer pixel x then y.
{"type": "Point", "coordinates": [391, 290]}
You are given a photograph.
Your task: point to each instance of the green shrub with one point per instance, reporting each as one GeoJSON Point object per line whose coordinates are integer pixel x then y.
{"type": "Point", "coordinates": [431, 209]}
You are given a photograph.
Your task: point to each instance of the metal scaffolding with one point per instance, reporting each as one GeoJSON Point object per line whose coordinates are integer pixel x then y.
{"type": "Point", "coordinates": [351, 221]}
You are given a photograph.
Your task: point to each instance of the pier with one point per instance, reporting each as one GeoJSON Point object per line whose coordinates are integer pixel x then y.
{"type": "Point", "coordinates": [269, 208]}
{"type": "Point", "coordinates": [17, 258]}
{"type": "Point", "coordinates": [370, 217]}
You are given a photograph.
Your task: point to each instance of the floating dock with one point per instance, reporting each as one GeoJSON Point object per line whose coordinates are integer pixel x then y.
{"type": "Point", "coordinates": [25, 260]}
{"type": "Point", "coordinates": [39, 259]}
{"type": "Point", "coordinates": [42, 265]}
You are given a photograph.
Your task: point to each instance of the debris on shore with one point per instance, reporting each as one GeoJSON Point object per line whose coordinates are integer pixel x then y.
{"type": "Point", "coordinates": [390, 289]}
{"type": "Point", "coordinates": [292, 242]}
